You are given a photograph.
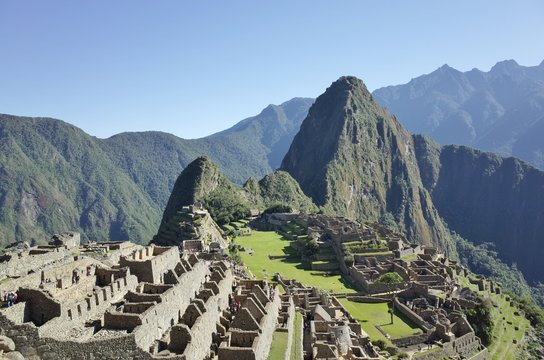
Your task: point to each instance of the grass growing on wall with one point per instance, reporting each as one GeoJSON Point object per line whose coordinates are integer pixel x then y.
{"type": "Point", "coordinates": [278, 346]}
{"type": "Point", "coordinates": [296, 351]}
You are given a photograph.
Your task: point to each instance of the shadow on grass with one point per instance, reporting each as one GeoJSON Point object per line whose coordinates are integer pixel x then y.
{"type": "Point", "coordinates": [348, 284]}
{"type": "Point", "coordinates": [407, 321]}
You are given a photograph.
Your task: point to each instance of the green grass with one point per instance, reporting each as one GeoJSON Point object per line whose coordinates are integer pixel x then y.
{"type": "Point", "coordinates": [278, 346]}
{"type": "Point", "coordinates": [375, 253]}
{"type": "Point", "coordinates": [502, 346]}
{"type": "Point", "coordinates": [371, 314]}
{"type": "Point", "coordinates": [266, 243]}
{"type": "Point", "coordinates": [410, 257]}
{"type": "Point", "coordinates": [295, 345]}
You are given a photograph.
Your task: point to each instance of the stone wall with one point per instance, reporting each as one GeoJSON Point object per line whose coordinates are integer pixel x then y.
{"type": "Point", "coordinates": [415, 318]}
{"type": "Point", "coordinates": [410, 340]}
{"type": "Point", "coordinates": [32, 347]}
{"type": "Point", "coordinates": [150, 264]}
{"type": "Point", "coordinates": [325, 266]}
{"type": "Point", "coordinates": [157, 319]}
{"type": "Point", "coordinates": [373, 287]}
{"type": "Point", "coordinates": [202, 329]}
{"type": "Point", "coordinates": [21, 264]}
{"type": "Point", "coordinates": [39, 306]}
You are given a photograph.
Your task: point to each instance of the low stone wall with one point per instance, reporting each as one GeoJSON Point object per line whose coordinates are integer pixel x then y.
{"type": "Point", "coordinates": [368, 299]}
{"type": "Point", "coordinates": [373, 288]}
{"type": "Point", "coordinates": [415, 318]}
{"type": "Point", "coordinates": [410, 340]}
{"type": "Point", "coordinates": [359, 258]}
{"type": "Point", "coordinates": [290, 328]}
{"type": "Point", "coordinates": [325, 266]}
{"type": "Point", "coordinates": [32, 347]}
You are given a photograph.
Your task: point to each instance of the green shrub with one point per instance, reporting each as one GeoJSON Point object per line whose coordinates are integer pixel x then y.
{"type": "Point", "coordinates": [481, 321]}
{"type": "Point", "coordinates": [279, 208]}
{"type": "Point", "coordinates": [389, 278]}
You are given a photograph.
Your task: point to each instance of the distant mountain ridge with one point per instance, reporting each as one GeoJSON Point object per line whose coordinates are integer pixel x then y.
{"type": "Point", "coordinates": [54, 176]}
{"type": "Point", "coordinates": [501, 110]}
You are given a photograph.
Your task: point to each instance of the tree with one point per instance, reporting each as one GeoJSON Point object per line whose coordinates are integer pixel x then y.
{"type": "Point", "coordinates": [389, 278]}
{"type": "Point", "coordinates": [481, 321]}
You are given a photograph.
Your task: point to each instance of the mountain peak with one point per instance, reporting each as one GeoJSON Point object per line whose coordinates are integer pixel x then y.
{"type": "Point", "coordinates": [505, 66]}
{"type": "Point", "coordinates": [344, 145]}
{"type": "Point", "coordinates": [348, 83]}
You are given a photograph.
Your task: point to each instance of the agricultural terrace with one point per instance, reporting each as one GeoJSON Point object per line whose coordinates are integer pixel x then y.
{"type": "Point", "coordinates": [508, 327]}
{"type": "Point", "coordinates": [261, 244]}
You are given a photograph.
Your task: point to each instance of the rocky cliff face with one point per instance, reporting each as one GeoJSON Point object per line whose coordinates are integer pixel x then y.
{"type": "Point", "coordinates": [487, 198]}
{"type": "Point", "coordinates": [354, 158]}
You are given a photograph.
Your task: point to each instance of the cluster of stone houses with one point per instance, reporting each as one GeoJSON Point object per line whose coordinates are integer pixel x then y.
{"type": "Point", "coordinates": [125, 301]}
{"type": "Point", "coordinates": [427, 294]}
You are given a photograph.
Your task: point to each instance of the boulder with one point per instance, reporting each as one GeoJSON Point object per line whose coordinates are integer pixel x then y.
{"type": "Point", "coordinates": [6, 344]}
{"type": "Point", "coordinates": [14, 355]}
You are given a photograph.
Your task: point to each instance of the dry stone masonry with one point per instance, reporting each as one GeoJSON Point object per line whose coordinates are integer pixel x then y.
{"type": "Point", "coordinates": [118, 300]}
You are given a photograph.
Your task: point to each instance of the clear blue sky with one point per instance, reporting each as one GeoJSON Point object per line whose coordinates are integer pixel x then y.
{"type": "Point", "coordinates": [192, 68]}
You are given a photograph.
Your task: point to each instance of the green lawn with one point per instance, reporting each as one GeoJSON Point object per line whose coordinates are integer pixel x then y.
{"type": "Point", "coordinates": [370, 314]}
{"type": "Point", "coordinates": [297, 332]}
{"type": "Point", "coordinates": [278, 346]}
{"type": "Point", "coordinates": [266, 243]}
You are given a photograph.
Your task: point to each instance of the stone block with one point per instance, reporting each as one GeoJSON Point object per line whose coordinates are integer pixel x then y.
{"type": "Point", "coordinates": [12, 333]}
{"type": "Point", "coordinates": [49, 356]}
{"type": "Point", "coordinates": [20, 339]}
{"type": "Point", "coordinates": [43, 348]}
{"type": "Point", "coordinates": [6, 344]}
{"type": "Point", "coordinates": [14, 355]}
{"type": "Point", "coordinates": [27, 351]}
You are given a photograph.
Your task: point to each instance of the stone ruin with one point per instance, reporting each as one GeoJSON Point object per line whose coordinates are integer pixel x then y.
{"type": "Point", "coordinates": [426, 274]}
{"type": "Point", "coordinates": [330, 332]}
{"type": "Point", "coordinates": [116, 300]}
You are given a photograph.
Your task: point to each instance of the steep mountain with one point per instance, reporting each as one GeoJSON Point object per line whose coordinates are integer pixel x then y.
{"type": "Point", "coordinates": [202, 182]}
{"type": "Point", "coordinates": [250, 148]}
{"type": "Point", "coordinates": [354, 159]}
{"type": "Point", "coordinates": [501, 110]}
{"type": "Point", "coordinates": [488, 199]}
{"type": "Point", "coordinates": [55, 177]}
{"type": "Point", "coordinates": [277, 188]}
